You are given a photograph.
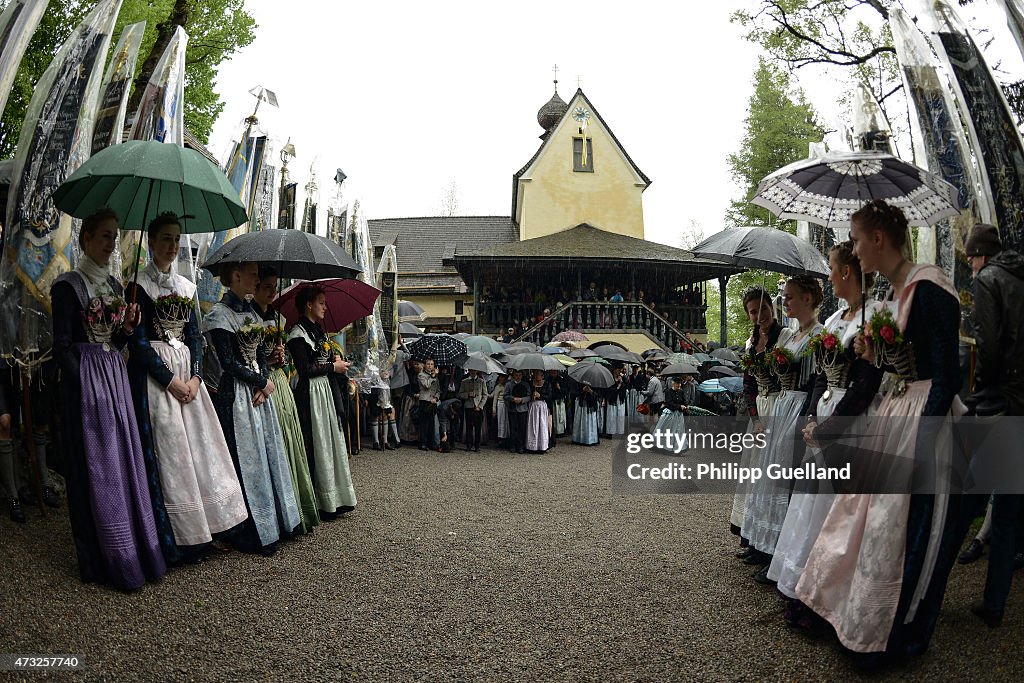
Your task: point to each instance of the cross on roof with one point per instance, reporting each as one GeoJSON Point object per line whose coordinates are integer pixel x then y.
{"type": "Point", "coordinates": [555, 69]}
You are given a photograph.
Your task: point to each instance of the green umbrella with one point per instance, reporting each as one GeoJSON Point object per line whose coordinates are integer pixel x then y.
{"type": "Point", "coordinates": [142, 179]}
{"type": "Point", "coordinates": [482, 344]}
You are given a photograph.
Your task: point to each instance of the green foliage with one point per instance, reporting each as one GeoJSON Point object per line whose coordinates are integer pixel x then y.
{"type": "Point", "coordinates": [216, 28]}
{"type": "Point", "coordinates": [779, 127]}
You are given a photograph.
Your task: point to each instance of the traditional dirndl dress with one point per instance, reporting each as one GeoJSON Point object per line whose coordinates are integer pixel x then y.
{"type": "Point", "coordinates": [584, 427]}
{"type": "Point", "coordinates": [807, 511]}
{"type": "Point", "coordinates": [615, 418]}
{"type": "Point", "coordinates": [673, 422]}
{"type": "Point", "coordinates": [537, 426]}
{"type": "Point", "coordinates": [501, 413]}
{"type": "Point", "coordinates": [559, 417]}
{"type": "Point", "coordinates": [769, 500]}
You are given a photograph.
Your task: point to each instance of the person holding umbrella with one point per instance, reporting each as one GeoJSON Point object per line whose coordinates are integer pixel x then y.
{"type": "Point", "coordinates": [284, 400]}
{"type": "Point", "coordinates": [517, 398]}
{"type": "Point", "coordinates": [112, 515]}
{"type": "Point", "coordinates": [188, 460]}
{"type": "Point", "coordinates": [584, 424]}
{"type": "Point", "coordinates": [615, 404]}
{"type": "Point", "coordinates": [474, 395]}
{"type": "Point", "coordinates": [247, 414]}
{"type": "Point", "coordinates": [672, 419]}
{"type": "Point", "coordinates": [318, 399]}
{"type": "Point", "coordinates": [881, 585]}
{"type": "Point", "coordinates": [429, 396]}
{"type": "Point", "coordinates": [538, 415]}
{"type": "Point", "coordinates": [556, 406]}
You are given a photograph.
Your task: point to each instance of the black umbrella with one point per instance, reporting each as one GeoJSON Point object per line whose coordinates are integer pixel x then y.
{"type": "Point", "coordinates": [478, 361]}
{"type": "Point", "coordinates": [615, 353]}
{"type": "Point", "coordinates": [594, 374]}
{"type": "Point", "coordinates": [582, 353]}
{"type": "Point", "coordinates": [726, 354]}
{"type": "Point", "coordinates": [765, 248]}
{"type": "Point", "coordinates": [294, 253]}
{"type": "Point", "coordinates": [679, 369]}
{"type": "Point", "coordinates": [534, 361]}
{"type": "Point", "coordinates": [722, 371]}
{"type": "Point", "coordinates": [827, 190]}
{"type": "Point", "coordinates": [654, 355]}
{"type": "Point", "coordinates": [443, 348]}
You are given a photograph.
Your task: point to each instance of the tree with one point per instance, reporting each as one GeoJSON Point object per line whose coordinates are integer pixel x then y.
{"type": "Point", "coordinates": [779, 127]}
{"type": "Point", "coordinates": [450, 199]}
{"type": "Point", "coordinates": [216, 28]}
{"type": "Point", "coordinates": [691, 235]}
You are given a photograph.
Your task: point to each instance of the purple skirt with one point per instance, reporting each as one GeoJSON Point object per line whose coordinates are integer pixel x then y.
{"type": "Point", "coordinates": [118, 492]}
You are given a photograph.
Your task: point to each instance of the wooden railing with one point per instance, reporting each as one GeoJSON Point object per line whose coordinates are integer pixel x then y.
{"type": "Point", "coordinates": [610, 317]}
{"type": "Point", "coordinates": [498, 317]}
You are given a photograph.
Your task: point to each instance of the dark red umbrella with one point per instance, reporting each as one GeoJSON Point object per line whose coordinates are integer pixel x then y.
{"type": "Point", "coordinates": [347, 301]}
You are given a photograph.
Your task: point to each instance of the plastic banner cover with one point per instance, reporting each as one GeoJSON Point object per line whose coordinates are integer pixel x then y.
{"type": "Point", "coordinates": [55, 140]}
{"type": "Point", "coordinates": [117, 85]}
{"type": "Point", "coordinates": [365, 344]}
{"type": "Point", "coordinates": [17, 24]}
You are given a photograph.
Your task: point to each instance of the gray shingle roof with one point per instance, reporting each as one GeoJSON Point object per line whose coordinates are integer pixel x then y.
{"type": "Point", "coordinates": [423, 244]}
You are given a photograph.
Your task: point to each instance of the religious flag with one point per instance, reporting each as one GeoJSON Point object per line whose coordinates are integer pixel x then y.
{"type": "Point", "coordinates": [55, 140]}
{"type": "Point", "coordinates": [116, 86]}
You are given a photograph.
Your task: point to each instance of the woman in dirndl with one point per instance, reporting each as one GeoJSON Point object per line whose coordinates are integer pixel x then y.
{"type": "Point", "coordinates": [760, 390]}
{"type": "Point", "coordinates": [178, 425]}
{"type": "Point", "coordinates": [584, 422]}
{"type": "Point", "coordinates": [112, 514]}
{"type": "Point", "coordinates": [247, 415]}
{"type": "Point", "coordinates": [878, 570]}
{"type": "Point", "coordinates": [673, 419]}
{"type": "Point", "coordinates": [615, 405]}
{"type": "Point", "coordinates": [851, 390]}
{"type": "Point", "coordinates": [556, 405]}
{"type": "Point", "coordinates": [537, 416]}
{"type": "Point", "coordinates": [273, 350]}
{"type": "Point", "coordinates": [318, 398]}
{"type": "Point", "coordinates": [769, 499]}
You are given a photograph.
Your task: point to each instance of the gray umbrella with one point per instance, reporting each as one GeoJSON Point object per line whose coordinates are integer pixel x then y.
{"type": "Point", "coordinates": [409, 312]}
{"type": "Point", "coordinates": [409, 331]}
{"type": "Point", "coordinates": [726, 354]}
{"type": "Point", "coordinates": [478, 361]}
{"type": "Point", "coordinates": [765, 248]}
{"type": "Point", "coordinates": [679, 369]}
{"type": "Point", "coordinates": [827, 190]}
{"type": "Point", "coordinates": [722, 371]}
{"type": "Point", "coordinates": [521, 347]}
{"type": "Point", "coordinates": [577, 354]}
{"type": "Point", "coordinates": [534, 361]}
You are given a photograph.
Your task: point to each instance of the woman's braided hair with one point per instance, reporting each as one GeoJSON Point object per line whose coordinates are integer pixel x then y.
{"type": "Point", "coordinates": [879, 215]}
{"type": "Point", "coordinates": [808, 285]}
{"type": "Point", "coordinates": [845, 257]}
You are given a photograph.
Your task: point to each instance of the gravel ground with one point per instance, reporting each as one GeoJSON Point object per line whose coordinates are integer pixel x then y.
{"type": "Point", "coordinates": [483, 566]}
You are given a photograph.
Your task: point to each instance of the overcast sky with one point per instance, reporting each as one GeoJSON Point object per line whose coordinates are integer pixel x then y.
{"type": "Point", "coordinates": [407, 96]}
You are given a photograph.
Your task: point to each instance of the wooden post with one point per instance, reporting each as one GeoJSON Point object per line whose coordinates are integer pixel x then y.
{"type": "Point", "coordinates": [28, 436]}
{"type": "Point", "coordinates": [476, 299]}
{"type": "Point", "coordinates": [723, 283]}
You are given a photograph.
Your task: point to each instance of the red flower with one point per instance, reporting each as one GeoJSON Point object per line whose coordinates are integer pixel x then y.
{"type": "Point", "coordinates": [888, 334]}
{"type": "Point", "coordinates": [829, 341]}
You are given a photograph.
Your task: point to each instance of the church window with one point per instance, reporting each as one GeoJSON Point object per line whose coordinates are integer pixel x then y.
{"type": "Point", "coordinates": [577, 156]}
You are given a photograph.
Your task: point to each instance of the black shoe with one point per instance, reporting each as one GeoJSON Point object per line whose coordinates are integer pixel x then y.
{"type": "Point", "coordinates": [744, 553]}
{"type": "Point", "coordinates": [1018, 561]}
{"type": "Point", "coordinates": [390, 447]}
{"type": "Point", "coordinates": [757, 557]}
{"type": "Point", "coordinates": [423, 448]}
{"type": "Point", "coordinates": [972, 552]}
{"type": "Point", "coordinates": [992, 618]}
{"type": "Point", "coordinates": [17, 514]}
{"type": "Point", "coordinates": [761, 577]}
{"type": "Point", "coordinates": [50, 497]}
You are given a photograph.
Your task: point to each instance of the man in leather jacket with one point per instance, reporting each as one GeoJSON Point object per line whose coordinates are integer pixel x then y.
{"type": "Point", "coordinates": [998, 388]}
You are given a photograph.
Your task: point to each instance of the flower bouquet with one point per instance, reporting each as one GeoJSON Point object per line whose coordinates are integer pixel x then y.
{"type": "Point", "coordinates": [271, 334]}
{"type": "Point", "coordinates": [250, 335]}
{"type": "Point", "coordinates": [172, 314]}
{"type": "Point", "coordinates": [891, 349]}
{"type": "Point", "coordinates": [753, 363]}
{"type": "Point", "coordinates": [103, 316]}
{"type": "Point", "coordinates": [781, 362]}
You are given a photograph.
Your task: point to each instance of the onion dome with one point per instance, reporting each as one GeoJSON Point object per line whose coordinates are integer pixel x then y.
{"type": "Point", "coordinates": [551, 113]}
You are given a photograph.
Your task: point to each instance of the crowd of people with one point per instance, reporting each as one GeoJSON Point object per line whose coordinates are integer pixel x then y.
{"type": "Point", "coordinates": [536, 304]}
{"type": "Point", "coordinates": [200, 441]}
{"type": "Point", "coordinates": [873, 567]}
